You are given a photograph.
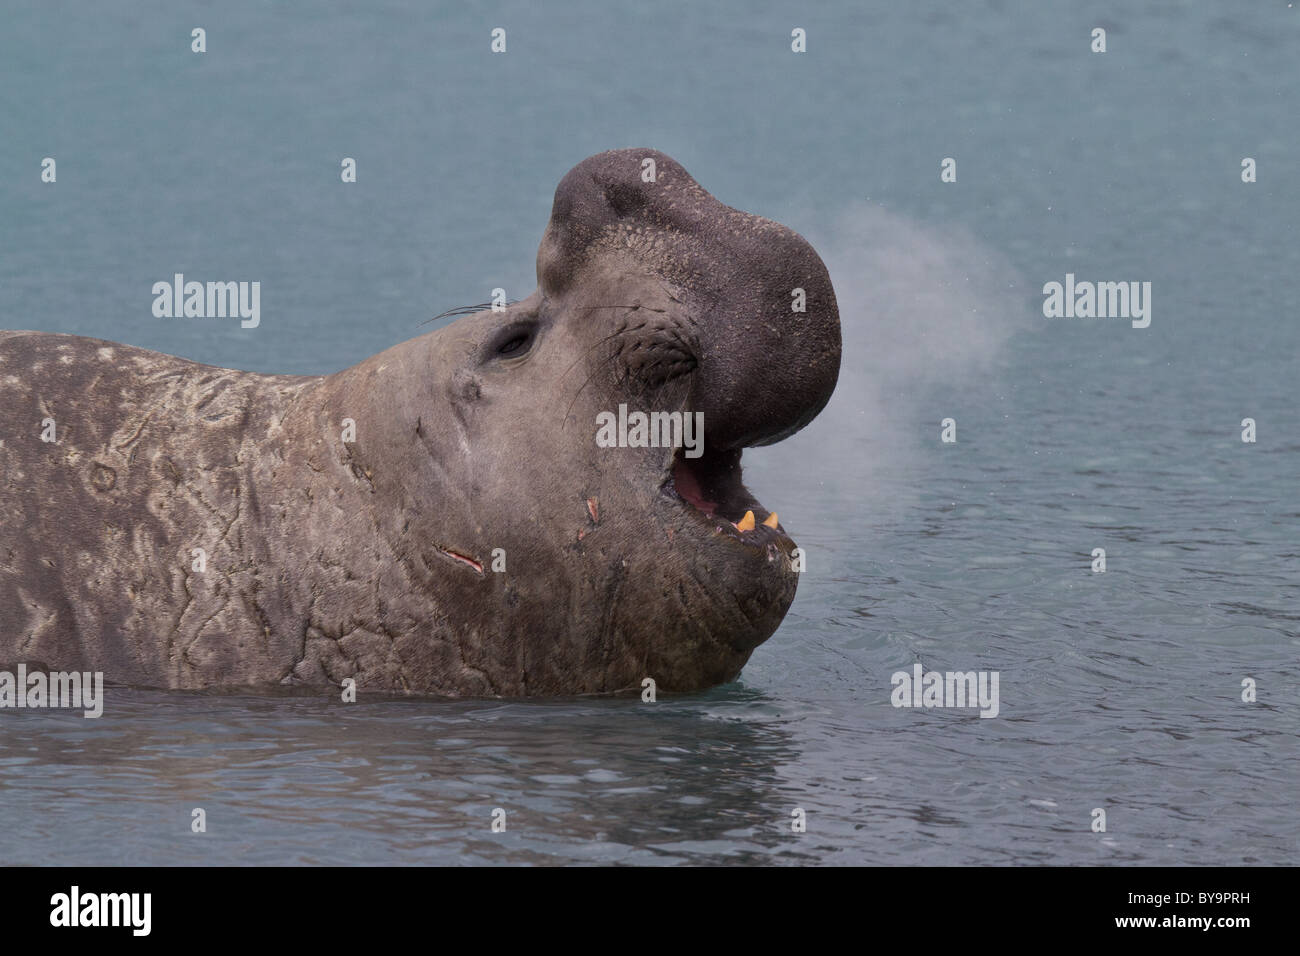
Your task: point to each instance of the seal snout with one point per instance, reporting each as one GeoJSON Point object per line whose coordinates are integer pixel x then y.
{"type": "Point", "coordinates": [751, 303]}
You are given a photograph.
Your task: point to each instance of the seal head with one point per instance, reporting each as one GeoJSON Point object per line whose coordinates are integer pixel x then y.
{"type": "Point", "coordinates": [633, 562]}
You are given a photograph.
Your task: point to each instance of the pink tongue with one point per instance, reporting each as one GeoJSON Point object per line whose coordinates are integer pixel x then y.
{"type": "Point", "coordinates": [686, 485]}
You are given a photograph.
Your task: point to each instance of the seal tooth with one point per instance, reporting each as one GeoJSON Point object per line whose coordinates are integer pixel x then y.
{"type": "Point", "coordinates": [746, 523]}
{"type": "Point", "coordinates": [770, 520]}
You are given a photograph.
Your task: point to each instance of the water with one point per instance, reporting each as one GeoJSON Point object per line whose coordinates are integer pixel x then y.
{"type": "Point", "coordinates": [1119, 691]}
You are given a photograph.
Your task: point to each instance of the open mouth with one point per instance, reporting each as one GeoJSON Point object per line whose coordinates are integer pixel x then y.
{"type": "Point", "coordinates": [710, 486]}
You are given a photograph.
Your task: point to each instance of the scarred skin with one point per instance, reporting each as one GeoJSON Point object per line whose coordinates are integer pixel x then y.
{"type": "Point", "coordinates": [372, 559]}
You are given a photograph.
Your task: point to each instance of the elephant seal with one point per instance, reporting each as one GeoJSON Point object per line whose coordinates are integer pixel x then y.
{"type": "Point", "coordinates": [438, 519]}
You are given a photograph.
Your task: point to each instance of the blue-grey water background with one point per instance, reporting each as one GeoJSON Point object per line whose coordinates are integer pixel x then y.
{"type": "Point", "coordinates": [1119, 690]}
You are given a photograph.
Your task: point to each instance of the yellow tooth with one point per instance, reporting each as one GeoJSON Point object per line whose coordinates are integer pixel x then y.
{"type": "Point", "coordinates": [746, 523]}
{"type": "Point", "coordinates": [770, 520]}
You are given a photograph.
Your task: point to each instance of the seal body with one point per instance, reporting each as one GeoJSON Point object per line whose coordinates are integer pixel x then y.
{"type": "Point", "coordinates": [438, 518]}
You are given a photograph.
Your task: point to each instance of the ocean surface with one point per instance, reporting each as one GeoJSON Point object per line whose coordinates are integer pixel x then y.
{"type": "Point", "coordinates": [1120, 691]}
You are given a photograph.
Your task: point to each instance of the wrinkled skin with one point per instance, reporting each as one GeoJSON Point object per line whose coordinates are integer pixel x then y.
{"type": "Point", "coordinates": [372, 559]}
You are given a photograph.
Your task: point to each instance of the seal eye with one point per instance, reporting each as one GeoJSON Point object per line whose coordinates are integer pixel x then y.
{"type": "Point", "coordinates": [514, 346]}
{"type": "Point", "coordinates": [513, 341]}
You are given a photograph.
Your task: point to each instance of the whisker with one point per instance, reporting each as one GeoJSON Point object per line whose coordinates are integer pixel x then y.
{"type": "Point", "coordinates": [462, 310]}
{"type": "Point", "coordinates": [617, 332]}
{"type": "Point", "coordinates": [623, 330]}
{"type": "Point", "coordinates": [586, 381]}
